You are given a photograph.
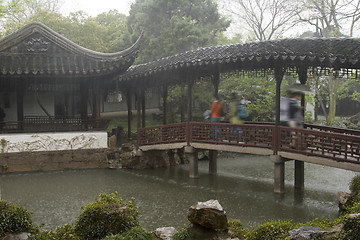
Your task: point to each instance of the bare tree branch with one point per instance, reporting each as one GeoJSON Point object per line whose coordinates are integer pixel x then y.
{"type": "Point", "coordinates": [267, 19]}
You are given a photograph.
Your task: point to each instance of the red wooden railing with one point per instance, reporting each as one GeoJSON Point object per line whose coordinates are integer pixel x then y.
{"type": "Point", "coordinates": [331, 143]}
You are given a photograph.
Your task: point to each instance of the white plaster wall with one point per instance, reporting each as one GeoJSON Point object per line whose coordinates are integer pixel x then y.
{"type": "Point", "coordinates": [22, 142]}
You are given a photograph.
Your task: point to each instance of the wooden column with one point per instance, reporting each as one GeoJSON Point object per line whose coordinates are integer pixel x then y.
{"type": "Point", "coordinates": [303, 79]}
{"type": "Point", "coordinates": [129, 107]}
{"type": "Point", "coordinates": [279, 173]}
{"type": "Point", "coordinates": [20, 90]}
{"type": "Point", "coordinates": [212, 162]}
{"type": "Point", "coordinates": [216, 82]}
{"type": "Point", "coordinates": [96, 102]}
{"type": "Point", "coordinates": [192, 156]}
{"type": "Point", "coordinates": [143, 109]}
{"type": "Point", "coordinates": [299, 175]}
{"type": "Point", "coordinates": [279, 73]}
{"type": "Point", "coordinates": [84, 96]}
{"type": "Point", "coordinates": [183, 103]}
{"type": "Point", "coordinates": [189, 98]}
{"type": "Point", "coordinates": [138, 109]}
{"type": "Point", "coordinates": [164, 97]}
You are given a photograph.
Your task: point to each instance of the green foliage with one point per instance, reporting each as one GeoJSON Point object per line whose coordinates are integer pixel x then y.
{"type": "Point", "coordinates": [237, 229]}
{"type": "Point", "coordinates": [355, 185]}
{"type": "Point", "coordinates": [61, 233]}
{"type": "Point", "coordinates": [351, 229]}
{"type": "Point", "coordinates": [355, 206]}
{"type": "Point", "coordinates": [135, 233]}
{"type": "Point", "coordinates": [174, 26]}
{"type": "Point", "coordinates": [182, 234]}
{"type": "Point", "coordinates": [106, 32]}
{"type": "Point", "coordinates": [177, 101]}
{"type": "Point", "coordinates": [14, 219]}
{"type": "Point", "coordinates": [273, 230]}
{"type": "Point", "coordinates": [106, 215]}
{"type": "Point", "coordinates": [324, 223]}
{"type": "Point", "coordinates": [355, 196]}
{"type": "Point", "coordinates": [259, 91]}
{"type": "Point", "coordinates": [350, 88]}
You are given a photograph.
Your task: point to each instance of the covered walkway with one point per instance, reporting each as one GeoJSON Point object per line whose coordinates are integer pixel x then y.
{"type": "Point", "coordinates": [303, 58]}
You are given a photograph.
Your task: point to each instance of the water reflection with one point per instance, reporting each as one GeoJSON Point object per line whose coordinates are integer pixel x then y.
{"type": "Point", "coordinates": [243, 186]}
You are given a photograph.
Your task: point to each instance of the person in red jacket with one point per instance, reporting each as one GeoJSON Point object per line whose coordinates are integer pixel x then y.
{"type": "Point", "coordinates": [216, 114]}
{"type": "Point", "coordinates": [216, 110]}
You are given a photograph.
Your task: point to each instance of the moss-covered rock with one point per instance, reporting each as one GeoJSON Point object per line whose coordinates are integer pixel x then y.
{"type": "Point", "coordinates": [273, 230]}
{"type": "Point", "coordinates": [14, 219]}
{"type": "Point", "coordinates": [106, 215]}
{"type": "Point", "coordinates": [135, 233]}
{"type": "Point", "coordinates": [237, 229]}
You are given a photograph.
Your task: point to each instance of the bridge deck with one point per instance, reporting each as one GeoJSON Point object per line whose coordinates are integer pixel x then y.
{"type": "Point", "coordinates": [315, 144]}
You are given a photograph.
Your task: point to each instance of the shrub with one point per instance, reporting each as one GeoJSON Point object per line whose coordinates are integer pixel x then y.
{"type": "Point", "coordinates": [106, 215]}
{"type": "Point", "coordinates": [351, 228]}
{"type": "Point", "coordinates": [324, 223]}
{"type": "Point", "coordinates": [14, 219]}
{"type": "Point", "coordinates": [182, 234]}
{"type": "Point", "coordinates": [61, 233]}
{"type": "Point", "coordinates": [236, 229]}
{"type": "Point", "coordinates": [354, 208]}
{"type": "Point", "coordinates": [135, 233]}
{"type": "Point", "coordinates": [355, 185]}
{"type": "Point", "coordinates": [273, 230]}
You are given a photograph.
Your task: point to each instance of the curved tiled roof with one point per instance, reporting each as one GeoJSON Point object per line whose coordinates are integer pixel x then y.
{"type": "Point", "coordinates": [310, 52]}
{"type": "Point", "coordinates": [38, 50]}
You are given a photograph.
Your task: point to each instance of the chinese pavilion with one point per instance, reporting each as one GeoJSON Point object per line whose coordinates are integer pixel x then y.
{"type": "Point", "coordinates": [49, 83]}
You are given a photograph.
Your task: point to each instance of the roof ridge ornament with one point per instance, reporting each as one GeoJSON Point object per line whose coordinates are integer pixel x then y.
{"type": "Point", "coordinates": [37, 45]}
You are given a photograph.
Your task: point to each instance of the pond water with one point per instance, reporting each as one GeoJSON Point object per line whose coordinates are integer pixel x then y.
{"type": "Point", "coordinates": [243, 185]}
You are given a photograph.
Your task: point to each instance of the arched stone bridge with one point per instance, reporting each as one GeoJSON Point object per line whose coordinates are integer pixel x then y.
{"type": "Point", "coordinates": [327, 146]}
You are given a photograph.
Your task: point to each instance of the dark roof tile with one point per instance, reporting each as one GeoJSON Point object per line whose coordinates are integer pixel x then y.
{"type": "Point", "coordinates": [36, 49]}
{"type": "Point", "coordinates": [329, 52]}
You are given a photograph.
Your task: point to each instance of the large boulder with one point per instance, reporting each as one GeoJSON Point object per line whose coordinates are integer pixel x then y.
{"type": "Point", "coordinates": [344, 200]}
{"type": "Point", "coordinates": [165, 233]}
{"type": "Point", "coordinates": [208, 214]}
{"type": "Point", "coordinates": [132, 158]}
{"type": "Point", "coordinates": [16, 236]}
